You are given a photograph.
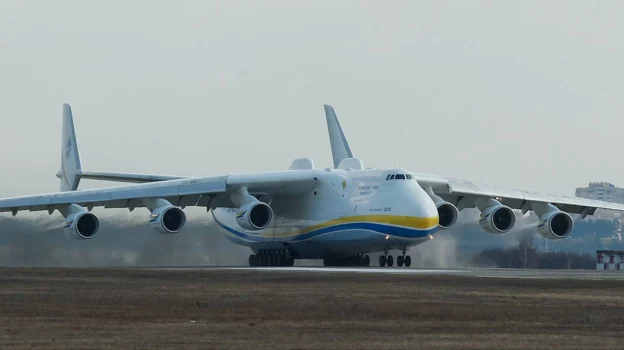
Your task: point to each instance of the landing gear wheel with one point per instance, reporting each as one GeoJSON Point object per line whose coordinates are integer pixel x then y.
{"type": "Point", "coordinates": [366, 260]}
{"type": "Point", "coordinates": [408, 261]}
{"type": "Point", "coordinates": [382, 260]}
{"type": "Point", "coordinates": [290, 262]}
{"type": "Point", "coordinates": [390, 260]}
{"type": "Point", "coordinates": [253, 260]}
{"type": "Point", "coordinates": [400, 260]}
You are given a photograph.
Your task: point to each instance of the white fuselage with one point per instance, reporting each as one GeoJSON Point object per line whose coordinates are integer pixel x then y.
{"type": "Point", "coordinates": [348, 212]}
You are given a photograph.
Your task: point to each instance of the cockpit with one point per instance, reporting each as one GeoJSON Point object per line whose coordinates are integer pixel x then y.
{"type": "Point", "coordinates": [399, 177]}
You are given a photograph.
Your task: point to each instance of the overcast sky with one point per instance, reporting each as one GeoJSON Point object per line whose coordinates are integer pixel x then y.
{"type": "Point", "coordinates": [527, 94]}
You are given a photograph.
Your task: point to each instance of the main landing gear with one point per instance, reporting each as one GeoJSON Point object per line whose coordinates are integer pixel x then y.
{"type": "Point", "coordinates": [388, 260]}
{"type": "Point", "coordinates": [354, 260]}
{"type": "Point", "coordinates": [271, 258]}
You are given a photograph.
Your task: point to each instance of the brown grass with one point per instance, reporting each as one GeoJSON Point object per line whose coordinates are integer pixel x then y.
{"type": "Point", "coordinates": [138, 309]}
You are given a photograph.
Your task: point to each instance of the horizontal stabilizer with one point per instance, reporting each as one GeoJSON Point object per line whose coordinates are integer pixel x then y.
{"type": "Point", "coordinates": [127, 177]}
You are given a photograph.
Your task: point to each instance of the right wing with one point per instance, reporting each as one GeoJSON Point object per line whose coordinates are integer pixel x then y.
{"type": "Point", "coordinates": [206, 192]}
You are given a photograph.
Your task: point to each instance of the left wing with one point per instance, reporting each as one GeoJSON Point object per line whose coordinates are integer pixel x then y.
{"type": "Point", "coordinates": [465, 194]}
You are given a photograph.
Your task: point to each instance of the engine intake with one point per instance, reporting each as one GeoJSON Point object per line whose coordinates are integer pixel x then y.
{"type": "Point", "coordinates": [448, 214]}
{"type": "Point", "coordinates": [168, 219]}
{"type": "Point", "coordinates": [83, 225]}
{"type": "Point", "coordinates": [254, 216]}
{"type": "Point", "coordinates": [555, 225]}
{"type": "Point", "coordinates": [497, 219]}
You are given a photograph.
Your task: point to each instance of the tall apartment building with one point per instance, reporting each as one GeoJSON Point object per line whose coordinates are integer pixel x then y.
{"type": "Point", "coordinates": [603, 191]}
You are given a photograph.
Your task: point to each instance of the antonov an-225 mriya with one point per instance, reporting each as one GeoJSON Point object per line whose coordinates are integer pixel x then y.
{"type": "Point", "coordinates": [337, 214]}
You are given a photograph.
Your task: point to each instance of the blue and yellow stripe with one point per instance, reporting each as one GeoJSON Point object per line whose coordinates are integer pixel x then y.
{"type": "Point", "coordinates": [406, 227]}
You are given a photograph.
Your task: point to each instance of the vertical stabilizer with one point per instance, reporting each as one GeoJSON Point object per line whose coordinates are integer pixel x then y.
{"type": "Point", "coordinates": [71, 169]}
{"type": "Point", "coordinates": [339, 144]}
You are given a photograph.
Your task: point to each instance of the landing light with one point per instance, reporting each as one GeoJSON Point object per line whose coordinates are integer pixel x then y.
{"type": "Point", "coordinates": [387, 237]}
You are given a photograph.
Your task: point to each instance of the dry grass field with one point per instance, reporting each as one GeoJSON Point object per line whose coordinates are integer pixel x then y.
{"type": "Point", "coordinates": [148, 309]}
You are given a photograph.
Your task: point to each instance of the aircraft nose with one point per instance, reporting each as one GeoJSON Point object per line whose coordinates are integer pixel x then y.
{"type": "Point", "coordinates": [426, 210]}
{"type": "Point", "coordinates": [426, 207]}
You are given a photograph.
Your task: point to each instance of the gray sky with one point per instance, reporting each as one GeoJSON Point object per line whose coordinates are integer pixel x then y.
{"type": "Point", "coordinates": [526, 94]}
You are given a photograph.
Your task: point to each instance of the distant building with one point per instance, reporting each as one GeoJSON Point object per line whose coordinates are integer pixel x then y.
{"type": "Point", "coordinates": [609, 260]}
{"type": "Point", "coordinates": [603, 191]}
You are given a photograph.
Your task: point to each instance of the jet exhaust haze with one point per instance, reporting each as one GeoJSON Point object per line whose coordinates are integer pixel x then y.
{"type": "Point", "coordinates": [125, 241]}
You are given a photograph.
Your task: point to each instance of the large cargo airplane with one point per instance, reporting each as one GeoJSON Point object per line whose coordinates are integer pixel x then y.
{"type": "Point", "coordinates": [338, 214]}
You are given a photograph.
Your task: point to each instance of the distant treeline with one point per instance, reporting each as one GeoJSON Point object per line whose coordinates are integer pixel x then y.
{"type": "Point", "coordinates": [525, 255]}
{"type": "Point", "coordinates": [515, 258]}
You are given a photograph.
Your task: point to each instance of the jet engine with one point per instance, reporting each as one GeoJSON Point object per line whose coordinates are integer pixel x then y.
{"type": "Point", "coordinates": [168, 219]}
{"type": "Point", "coordinates": [81, 225]}
{"type": "Point", "coordinates": [254, 216]}
{"type": "Point", "coordinates": [497, 219]}
{"type": "Point", "coordinates": [447, 213]}
{"type": "Point", "coordinates": [555, 225]}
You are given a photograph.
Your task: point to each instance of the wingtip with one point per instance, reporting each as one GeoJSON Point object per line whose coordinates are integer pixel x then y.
{"type": "Point", "coordinates": [329, 109]}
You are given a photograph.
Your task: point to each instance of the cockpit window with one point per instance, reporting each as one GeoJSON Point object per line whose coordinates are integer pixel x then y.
{"type": "Point", "coordinates": [399, 177]}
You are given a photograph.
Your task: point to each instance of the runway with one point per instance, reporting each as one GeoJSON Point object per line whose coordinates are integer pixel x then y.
{"type": "Point", "coordinates": [467, 272]}
{"type": "Point", "coordinates": [309, 307]}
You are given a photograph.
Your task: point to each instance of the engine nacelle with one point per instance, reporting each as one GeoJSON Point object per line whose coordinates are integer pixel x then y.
{"type": "Point", "coordinates": [82, 225]}
{"type": "Point", "coordinates": [254, 216]}
{"type": "Point", "coordinates": [168, 219]}
{"type": "Point", "coordinates": [447, 213]}
{"type": "Point", "coordinates": [555, 225]}
{"type": "Point", "coordinates": [497, 219]}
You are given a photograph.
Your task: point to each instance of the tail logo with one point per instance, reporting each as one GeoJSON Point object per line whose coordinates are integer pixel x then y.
{"type": "Point", "coordinates": [68, 148]}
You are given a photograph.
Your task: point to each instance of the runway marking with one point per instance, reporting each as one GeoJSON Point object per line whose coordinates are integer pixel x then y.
{"type": "Point", "coordinates": [468, 272]}
{"type": "Point", "coordinates": [347, 269]}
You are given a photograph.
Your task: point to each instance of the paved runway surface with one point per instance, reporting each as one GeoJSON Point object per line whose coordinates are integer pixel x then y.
{"type": "Point", "coordinates": [492, 273]}
{"type": "Point", "coordinates": [309, 307]}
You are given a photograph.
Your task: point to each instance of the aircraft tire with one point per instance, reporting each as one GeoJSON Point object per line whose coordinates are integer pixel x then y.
{"type": "Point", "coordinates": [382, 260]}
{"type": "Point", "coordinates": [408, 261]}
{"type": "Point", "coordinates": [281, 260]}
{"type": "Point", "coordinates": [400, 260]}
{"type": "Point", "coordinates": [253, 260]}
{"type": "Point", "coordinates": [366, 260]}
{"type": "Point", "coordinates": [390, 261]}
